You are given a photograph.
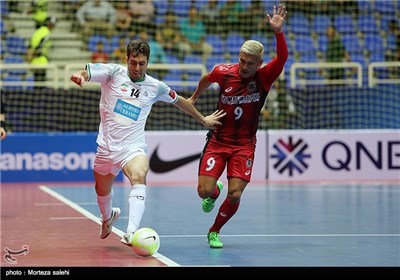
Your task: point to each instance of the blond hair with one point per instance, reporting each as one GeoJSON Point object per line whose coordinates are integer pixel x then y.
{"type": "Point", "coordinates": [253, 47]}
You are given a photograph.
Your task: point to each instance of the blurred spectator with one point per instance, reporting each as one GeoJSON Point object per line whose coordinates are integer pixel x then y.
{"type": "Point", "coordinates": [393, 41]}
{"type": "Point", "coordinates": [119, 54]}
{"type": "Point", "coordinates": [143, 15]}
{"type": "Point", "coordinates": [232, 13]}
{"type": "Point", "coordinates": [39, 48]}
{"type": "Point", "coordinates": [100, 55]}
{"type": "Point", "coordinates": [168, 35]}
{"type": "Point", "coordinates": [123, 19]}
{"type": "Point", "coordinates": [279, 108]}
{"type": "Point", "coordinates": [336, 52]}
{"type": "Point", "coordinates": [13, 6]}
{"type": "Point", "coordinates": [70, 8]}
{"type": "Point", "coordinates": [157, 54]}
{"type": "Point", "coordinates": [210, 15]}
{"type": "Point", "coordinates": [4, 128]}
{"type": "Point", "coordinates": [344, 6]}
{"type": "Point", "coordinates": [96, 17]}
{"type": "Point", "coordinates": [39, 11]}
{"type": "Point", "coordinates": [194, 32]}
{"type": "Point", "coordinates": [256, 19]}
{"type": "Point", "coordinates": [393, 47]}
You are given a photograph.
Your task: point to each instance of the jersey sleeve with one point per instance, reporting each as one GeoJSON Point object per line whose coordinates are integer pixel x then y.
{"type": "Point", "coordinates": [274, 68]}
{"type": "Point", "coordinates": [216, 74]}
{"type": "Point", "coordinates": [100, 72]}
{"type": "Point", "coordinates": [166, 94]}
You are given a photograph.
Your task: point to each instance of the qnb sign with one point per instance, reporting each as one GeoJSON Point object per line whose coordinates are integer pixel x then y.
{"type": "Point", "coordinates": [340, 155]}
{"type": "Point", "coordinates": [46, 161]}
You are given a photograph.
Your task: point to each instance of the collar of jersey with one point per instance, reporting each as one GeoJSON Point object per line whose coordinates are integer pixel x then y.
{"type": "Point", "coordinates": [140, 80]}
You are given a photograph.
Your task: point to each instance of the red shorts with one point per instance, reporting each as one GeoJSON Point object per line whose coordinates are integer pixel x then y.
{"type": "Point", "coordinates": [238, 160]}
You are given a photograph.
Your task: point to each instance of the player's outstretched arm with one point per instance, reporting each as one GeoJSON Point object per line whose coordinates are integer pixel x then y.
{"type": "Point", "coordinates": [277, 18]}
{"type": "Point", "coordinates": [211, 121]}
{"type": "Point", "coordinates": [80, 77]}
{"type": "Point", "coordinates": [201, 87]}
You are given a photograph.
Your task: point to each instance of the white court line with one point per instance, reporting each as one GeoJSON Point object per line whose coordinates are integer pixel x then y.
{"type": "Point", "coordinates": [292, 235]}
{"type": "Point", "coordinates": [97, 220]}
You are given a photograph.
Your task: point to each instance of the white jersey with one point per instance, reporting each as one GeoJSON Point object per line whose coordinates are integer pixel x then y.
{"type": "Point", "coordinates": [125, 105]}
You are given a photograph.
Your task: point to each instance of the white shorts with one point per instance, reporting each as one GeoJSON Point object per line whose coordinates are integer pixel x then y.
{"type": "Point", "coordinates": [107, 162]}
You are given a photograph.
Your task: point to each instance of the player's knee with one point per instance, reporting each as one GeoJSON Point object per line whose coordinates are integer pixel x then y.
{"type": "Point", "coordinates": [203, 192]}
{"type": "Point", "coordinates": [234, 197]}
{"type": "Point", "coordinates": [138, 177]}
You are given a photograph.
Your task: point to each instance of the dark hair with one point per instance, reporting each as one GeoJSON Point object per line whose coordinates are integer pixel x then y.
{"type": "Point", "coordinates": [137, 47]}
{"type": "Point", "coordinates": [51, 20]}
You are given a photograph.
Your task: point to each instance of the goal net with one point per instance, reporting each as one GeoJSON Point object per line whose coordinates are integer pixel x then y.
{"type": "Point", "coordinates": [343, 70]}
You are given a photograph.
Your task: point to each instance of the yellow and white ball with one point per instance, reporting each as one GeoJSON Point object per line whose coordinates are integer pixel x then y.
{"type": "Point", "coordinates": [145, 242]}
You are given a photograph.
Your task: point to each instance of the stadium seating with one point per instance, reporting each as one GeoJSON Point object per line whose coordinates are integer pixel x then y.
{"type": "Point", "coordinates": [161, 7]}
{"type": "Point", "coordinates": [299, 24]}
{"type": "Point", "coordinates": [365, 7]}
{"type": "Point", "coordinates": [94, 39]}
{"type": "Point", "coordinates": [217, 43]}
{"type": "Point", "coordinates": [304, 44]}
{"type": "Point", "coordinates": [320, 23]}
{"type": "Point", "coordinates": [344, 24]}
{"type": "Point", "coordinates": [352, 43]}
{"type": "Point", "coordinates": [13, 59]}
{"type": "Point", "coordinates": [374, 43]}
{"type": "Point", "coordinates": [367, 24]}
{"type": "Point", "coordinates": [16, 45]}
{"type": "Point", "coordinates": [13, 78]}
{"type": "Point", "coordinates": [233, 43]}
{"type": "Point", "coordinates": [384, 7]}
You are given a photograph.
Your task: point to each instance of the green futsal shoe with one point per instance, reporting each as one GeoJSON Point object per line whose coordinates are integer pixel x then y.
{"type": "Point", "coordinates": [213, 240]}
{"type": "Point", "coordinates": [208, 203]}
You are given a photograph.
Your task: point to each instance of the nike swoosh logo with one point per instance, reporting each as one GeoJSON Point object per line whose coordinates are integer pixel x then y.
{"type": "Point", "coordinates": [158, 165]}
{"type": "Point", "coordinates": [151, 237]}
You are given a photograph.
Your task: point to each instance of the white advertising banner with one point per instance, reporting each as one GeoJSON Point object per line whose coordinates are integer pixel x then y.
{"type": "Point", "coordinates": [285, 156]}
{"type": "Point", "coordinates": [174, 156]}
{"type": "Point", "coordinates": [333, 155]}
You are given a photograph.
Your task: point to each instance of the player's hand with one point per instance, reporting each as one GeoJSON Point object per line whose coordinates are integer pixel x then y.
{"type": "Point", "coordinates": [78, 79]}
{"type": "Point", "coordinates": [3, 133]}
{"type": "Point", "coordinates": [278, 15]}
{"type": "Point", "coordinates": [212, 121]}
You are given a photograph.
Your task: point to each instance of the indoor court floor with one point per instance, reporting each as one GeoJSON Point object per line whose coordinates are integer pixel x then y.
{"type": "Point", "coordinates": [277, 225]}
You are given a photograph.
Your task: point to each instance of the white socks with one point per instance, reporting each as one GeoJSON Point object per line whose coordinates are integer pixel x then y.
{"type": "Point", "coordinates": [105, 205]}
{"type": "Point", "coordinates": [137, 199]}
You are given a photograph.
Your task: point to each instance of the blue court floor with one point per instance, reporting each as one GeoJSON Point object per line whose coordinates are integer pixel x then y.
{"type": "Point", "coordinates": [277, 225]}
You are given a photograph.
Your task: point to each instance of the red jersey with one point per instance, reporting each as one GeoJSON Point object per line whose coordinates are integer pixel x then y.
{"type": "Point", "coordinates": [243, 99]}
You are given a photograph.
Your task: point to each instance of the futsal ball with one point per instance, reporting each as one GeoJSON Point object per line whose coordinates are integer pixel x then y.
{"type": "Point", "coordinates": [145, 242]}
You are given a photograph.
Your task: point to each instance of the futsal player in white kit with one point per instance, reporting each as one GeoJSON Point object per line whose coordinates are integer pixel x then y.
{"type": "Point", "coordinates": [127, 96]}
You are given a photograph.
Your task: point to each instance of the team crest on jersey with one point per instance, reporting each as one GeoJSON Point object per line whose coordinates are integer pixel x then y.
{"type": "Point", "coordinates": [249, 163]}
{"type": "Point", "coordinates": [252, 87]}
{"type": "Point", "coordinates": [124, 87]}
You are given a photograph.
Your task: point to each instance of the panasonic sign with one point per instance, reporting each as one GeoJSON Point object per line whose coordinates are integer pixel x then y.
{"type": "Point", "coordinates": [42, 161]}
{"type": "Point", "coordinates": [48, 157]}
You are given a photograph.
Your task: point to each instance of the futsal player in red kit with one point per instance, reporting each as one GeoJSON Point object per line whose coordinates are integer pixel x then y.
{"type": "Point", "coordinates": [243, 89]}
